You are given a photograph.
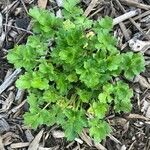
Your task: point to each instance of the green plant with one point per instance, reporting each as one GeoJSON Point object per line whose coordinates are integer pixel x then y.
{"type": "Point", "coordinates": [71, 65]}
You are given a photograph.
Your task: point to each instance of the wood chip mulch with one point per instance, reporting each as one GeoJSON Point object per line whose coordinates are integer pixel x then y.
{"type": "Point", "coordinates": [132, 29]}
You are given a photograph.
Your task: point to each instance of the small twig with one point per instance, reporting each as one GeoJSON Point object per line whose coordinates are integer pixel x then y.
{"type": "Point", "coordinates": [124, 29]}
{"type": "Point", "coordinates": [25, 8]}
{"type": "Point", "coordinates": [90, 7]}
{"type": "Point", "coordinates": [8, 102]}
{"type": "Point", "coordinates": [137, 116]}
{"type": "Point", "coordinates": [131, 20]}
{"type": "Point", "coordinates": [2, 39]}
{"type": "Point", "coordinates": [142, 15]}
{"type": "Point", "coordinates": [97, 11]}
{"type": "Point", "coordinates": [84, 136]}
{"type": "Point", "coordinates": [114, 139]}
{"type": "Point", "coordinates": [135, 4]}
{"type": "Point", "coordinates": [1, 22]}
{"type": "Point", "coordinates": [2, 33]}
{"type": "Point", "coordinates": [7, 2]}
{"type": "Point", "coordinates": [9, 72]}
{"type": "Point", "coordinates": [21, 29]}
{"type": "Point", "coordinates": [125, 16]}
{"type": "Point", "coordinates": [99, 146]}
{"type": "Point", "coordinates": [19, 95]}
{"type": "Point", "coordinates": [14, 110]}
{"type": "Point", "coordinates": [8, 7]}
{"type": "Point", "coordinates": [19, 145]}
{"type": "Point", "coordinates": [10, 80]}
{"type": "Point", "coordinates": [131, 146]}
{"type": "Point", "coordinates": [28, 28]}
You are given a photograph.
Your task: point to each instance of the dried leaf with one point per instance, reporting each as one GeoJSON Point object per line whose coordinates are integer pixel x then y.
{"type": "Point", "coordinates": [148, 112]}
{"type": "Point", "coordinates": [1, 144]}
{"type": "Point", "coordinates": [35, 143]}
{"type": "Point", "coordinates": [58, 134]}
{"type": "Point", "coordinates": [42, 3]}
{"type": "Point", "coordinates": [142, 81]}
{"type": "Point", "coordinates": [138, 45]}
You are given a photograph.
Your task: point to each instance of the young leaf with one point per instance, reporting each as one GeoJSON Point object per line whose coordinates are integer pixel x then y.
{"type": "Point", "coordinates": [106, 23]}
{"type": "Point", "coordinates": [133, 64]}
{"type": "Point", "coordinates": [32, 119]}
{"type": "Point", "coordinates": [24, 82]}
{"type": "Point", "coordinates": [84, 95]}
{"type": "Point", "coordinates": [100, 109]}
{"type": "Point", "coordinates": [99, 129]}
{"type": "Point", "coordinates": [75, 123]}
{"type": "Point", "coordinates": [51, 95]}
{"type": "Point", "coordinates": [38, 81]}
{"type": "Point", "coordinates": [22, 56]}
{"type": "Point", "coordinates": [122, 96]}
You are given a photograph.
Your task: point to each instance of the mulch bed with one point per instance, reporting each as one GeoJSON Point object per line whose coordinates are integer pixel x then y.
{"type": "Point", "coordinates": [130, 131]}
